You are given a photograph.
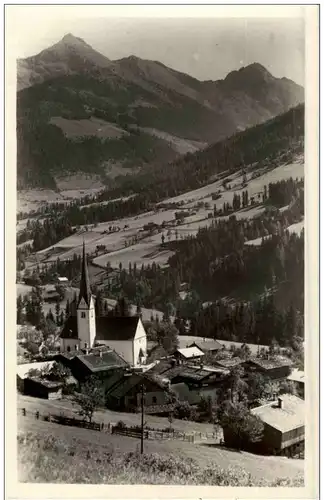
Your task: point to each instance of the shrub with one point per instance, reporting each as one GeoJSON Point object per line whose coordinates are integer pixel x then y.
{"type": "Point", "coordinates": [241, 428]}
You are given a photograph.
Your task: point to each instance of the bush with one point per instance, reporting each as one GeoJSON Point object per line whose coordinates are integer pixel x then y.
{"type": "Point", "coordinates": [241, 429]}
{"type": "Point", "coordinates": [120, 425]}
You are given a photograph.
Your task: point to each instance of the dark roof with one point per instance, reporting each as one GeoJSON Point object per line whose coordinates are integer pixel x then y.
{"type": "Point", "coordinates": [128, 382]}
{"type": "Point", "coordinates": [116, 327]}
{"type": "Point", "coordinates": [85, 291]}
{"type": "Point", "coordinates": [270, 364]}
{"type": "Point", "coordinates": [49, 384]}
{"type": "Point", "coordinates": [156, 353]}
{"type": "Point", "coordinates": [70, 328]}
{"type": "Point", "coordinates": [96, 363]}
{"type": "Point", "coordinates": [208, 345]}
{"type": "Point", "coordinates": [230, 362]}
{"type": "Point", "coordinates": [107, 328]}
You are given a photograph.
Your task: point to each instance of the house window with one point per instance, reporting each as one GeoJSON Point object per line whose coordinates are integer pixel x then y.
{"type": "Point", "coordinates": [83, 315]}
{"type": "Point", "coordinates": [154, 400]}
{"type": "Point", "coordinates": [68, 348]}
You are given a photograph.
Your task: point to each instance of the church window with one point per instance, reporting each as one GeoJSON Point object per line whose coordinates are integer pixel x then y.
{"type": "Point", "coordinates": [83, 315]}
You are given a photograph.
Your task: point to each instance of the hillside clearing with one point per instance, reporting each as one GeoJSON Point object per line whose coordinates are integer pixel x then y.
{"type": "Point", "coordinates": [88, 127]}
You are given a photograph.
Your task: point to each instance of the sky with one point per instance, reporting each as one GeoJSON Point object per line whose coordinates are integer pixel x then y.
{"type": "Point", "coordinates": [206, 45]}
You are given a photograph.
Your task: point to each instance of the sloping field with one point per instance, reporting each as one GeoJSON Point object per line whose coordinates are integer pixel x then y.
{"type": "Point", "coordinates": [142, 253]}
{"type": "Point", "coordinates": [88, 127]}
{"type": "Point", "coordinates": [268, 468]}
{"type": "Point", "coordinates": [254, 186]}
{"type": "Point", "coordinates": [180, 145]}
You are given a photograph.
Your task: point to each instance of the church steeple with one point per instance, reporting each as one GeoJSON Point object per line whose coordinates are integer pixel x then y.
{"type": "Point", "coordinates": [85, 291]}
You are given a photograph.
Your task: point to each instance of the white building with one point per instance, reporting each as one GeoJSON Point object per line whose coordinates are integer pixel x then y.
{"type": "Point", "coordinates": [125, 334]}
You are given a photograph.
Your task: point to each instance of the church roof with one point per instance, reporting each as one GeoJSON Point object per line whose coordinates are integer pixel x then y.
{"type": "Point", "coordinates": [70, 328]}
{"type": "Point", "coordinates": [116, 327]}
{"type": "Point", "coordinates": [85, 291]}
{"type": "Point", "coordinates": [107, 328]}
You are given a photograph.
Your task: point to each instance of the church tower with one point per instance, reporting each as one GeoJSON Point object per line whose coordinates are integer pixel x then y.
{"type": "Point", "coordinates": [86, 318]}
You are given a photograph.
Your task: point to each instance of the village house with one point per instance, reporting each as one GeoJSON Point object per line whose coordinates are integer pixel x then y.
{"type": "Point", "coordinates": [126, 393]}
{"type": "Point", "coordinates": [125, 335]}
{"type": "Point", "coordinates": [297, 377]}
{"type": "Point", "coordinates": [229, 363]}
{"type": "Point", "coordinates": [191, 382]}
{"type": "Point", "coordinates": [188, 353]}
{"type": "Point", "coordinates": [100, 362]}
{"type": "Point", "coordinates": [31, 383]}
{"type": "Point", "coordinates": [277, 369]}
{"type": "Point", "coordinates": [207, 346]}
{"type": "Point", "coordinates": [63, 280]}
{"type": "Point", "coordinates": [284, 425]}
{"type": "Point", "coordinates": [43, 388]}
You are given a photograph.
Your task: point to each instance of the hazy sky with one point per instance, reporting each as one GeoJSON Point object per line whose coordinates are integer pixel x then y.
{"type": "Point", "coordinates": [206, 48]}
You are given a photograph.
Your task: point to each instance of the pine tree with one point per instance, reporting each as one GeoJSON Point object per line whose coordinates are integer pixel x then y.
{"type": "Point", "coordinates": [57, 313]}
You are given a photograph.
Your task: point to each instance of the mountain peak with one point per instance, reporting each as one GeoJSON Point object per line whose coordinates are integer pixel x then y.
{"type": "Point", "coordinates": [73, 40]}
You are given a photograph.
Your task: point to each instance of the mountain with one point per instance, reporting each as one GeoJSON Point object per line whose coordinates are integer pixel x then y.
{"type": "Point", "coordinates": [78, 111]}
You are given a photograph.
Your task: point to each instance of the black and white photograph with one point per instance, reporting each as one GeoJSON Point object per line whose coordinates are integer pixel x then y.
{"type": "Point", "coordinates": [161, 282]}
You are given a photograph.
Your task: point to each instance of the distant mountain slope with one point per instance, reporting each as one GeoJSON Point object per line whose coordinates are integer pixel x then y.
{"type": "Point", "coordinates": [72, 81]}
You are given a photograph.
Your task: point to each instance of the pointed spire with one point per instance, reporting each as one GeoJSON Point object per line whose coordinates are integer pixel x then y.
{"type": "Point", "coordinates": [85, 291]}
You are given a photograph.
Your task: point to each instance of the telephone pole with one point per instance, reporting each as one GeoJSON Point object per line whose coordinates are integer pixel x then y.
{"type": "Point", "coordinates": [142, 424]}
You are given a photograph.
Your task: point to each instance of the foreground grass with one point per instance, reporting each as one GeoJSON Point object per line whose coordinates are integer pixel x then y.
{"type": "Point", "coordinates": [40, 460]}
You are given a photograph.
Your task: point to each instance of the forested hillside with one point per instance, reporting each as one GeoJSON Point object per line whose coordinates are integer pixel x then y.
{"type": "Point", "coordinates": [73, 82]}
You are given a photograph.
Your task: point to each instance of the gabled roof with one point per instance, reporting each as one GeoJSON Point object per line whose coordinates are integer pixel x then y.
{"type": "Point", "coordinates": [229, 362]}
{"type": "Point", "coordinates": [270, 364]}
{"type": "Point", "coordinates": [49, 384]}
{"type": "Point", "coordinates": [96, 363]}
{"type": "Point", "coordinates": [207, 345]}
{"type": "Point", "coordinates": [128, 382]}
{"type": "Point", "coordinates": [107, 328]}
{"type": "Point", "coordinates": [190, 352]}
{"type": "Point", "coordinates": [289, 417]}
{"type": "Point", "coordinates": [70, 329]}
{"type": "Point", "coordinates": [116, 327]}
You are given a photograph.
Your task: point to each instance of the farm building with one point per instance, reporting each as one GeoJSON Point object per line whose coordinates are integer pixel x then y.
{"type": "Point", "coordinates": [51, 295]}
{"type": "Point", "coordinates": [125, 335]}
{"type": "Point", "coordinates": [30, 382]}
{"type": "Point", "coordinates": [298, 379]}
{"type": "Point", "coordinates": [207, 346]}
{"type": "Point", "coordinates": [199, 381]}
{"type": "Point", "coordinates": [126, 393]}
{"type": "Point", "coordinates": [101, 362]}
{"type": "Point", "coordinates": [188, 353]}
{"type": "Point", "coordinates": [42, 388]}
{"type": "Point", "coordinates": [276, 369]}
{"type": "Point", "coordinates": [229, 363]}
{"type": "Point", "coordinates": [25, 369]}
{"type": "Point", "coordinates": [284, 425]}
{"type": "Point", "coordinates": [63, 280]}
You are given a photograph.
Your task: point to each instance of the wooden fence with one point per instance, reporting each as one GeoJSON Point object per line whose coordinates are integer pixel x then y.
{"type": "Point", "coordinates": [112, 428]}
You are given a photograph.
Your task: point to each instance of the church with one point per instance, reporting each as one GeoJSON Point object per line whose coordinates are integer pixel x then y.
{"type": "Point", "coordinates": [125, 335]}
